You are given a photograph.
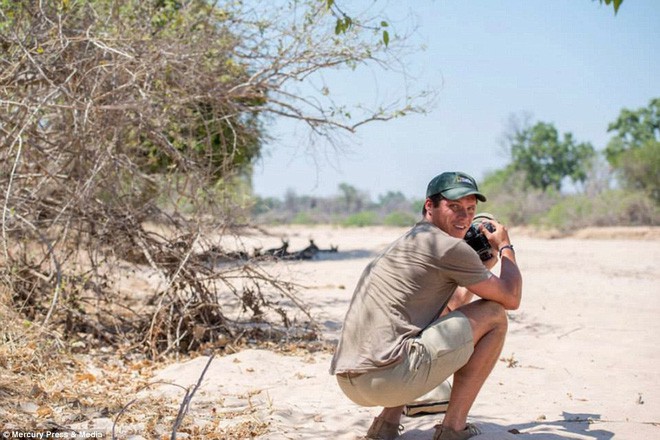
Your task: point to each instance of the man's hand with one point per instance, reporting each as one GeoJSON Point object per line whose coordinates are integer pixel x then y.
{"type": "Point", "coordinates": [496, 239]}
{"type": "Point", "coordinates": [460, 297]}
{"type": "Point", "coordinates": [507, 288]}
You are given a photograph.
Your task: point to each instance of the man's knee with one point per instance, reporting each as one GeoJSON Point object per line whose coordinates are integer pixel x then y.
{"type": "Point", "coordinates": [494, 314]}
{"type": "Point", "coordinates": [497, 310]}
{"type": "Point", "coordinates": [485, 316]}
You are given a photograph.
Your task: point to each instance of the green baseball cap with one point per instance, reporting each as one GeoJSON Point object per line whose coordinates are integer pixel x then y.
{"type": "Point", "coordinates": [454, 185]}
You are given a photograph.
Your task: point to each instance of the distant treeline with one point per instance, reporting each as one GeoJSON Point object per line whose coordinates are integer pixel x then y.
{"type": "Point", "coordinates": [507, 200]}
{"type": "Point", "coordinates": [350, 207]}
{"type": "Point", "coordinates": [551, 181]}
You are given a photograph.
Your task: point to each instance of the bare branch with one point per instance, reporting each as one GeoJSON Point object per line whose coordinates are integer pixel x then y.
{"type": "Point", "coordinates": [185, 404]}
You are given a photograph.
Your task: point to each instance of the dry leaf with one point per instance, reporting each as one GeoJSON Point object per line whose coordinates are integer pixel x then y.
{"type": "Point", "coordinates": [44, 411]}
{"type": "Point", "coordinates": [89, 377]}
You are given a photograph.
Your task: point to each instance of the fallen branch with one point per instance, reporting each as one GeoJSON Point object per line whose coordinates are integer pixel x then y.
{"type": "Point", "coordinates": [185, 404]}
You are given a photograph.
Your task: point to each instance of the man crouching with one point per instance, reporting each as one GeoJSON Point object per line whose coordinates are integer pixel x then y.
{"type": "Point", "coordinates": [412, 323]}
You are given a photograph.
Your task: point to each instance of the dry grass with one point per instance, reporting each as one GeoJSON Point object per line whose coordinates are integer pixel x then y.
{"type": "Point", "coordinates": [44, 384]}
{"type": "Point", "coordinates": [50, 383]}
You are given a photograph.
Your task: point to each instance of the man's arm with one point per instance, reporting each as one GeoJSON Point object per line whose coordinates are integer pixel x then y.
{"type": "Point", "coordinates": [462, 295]}
{"type": "Point", "coordinates": [507, 288]}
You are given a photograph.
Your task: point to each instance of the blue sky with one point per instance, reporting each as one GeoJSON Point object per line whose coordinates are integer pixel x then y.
{"type": "Point", "coordinates": [572, 63]}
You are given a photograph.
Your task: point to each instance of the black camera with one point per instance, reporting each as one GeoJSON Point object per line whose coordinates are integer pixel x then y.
{"type": "Point", "coordinates": [476, 239]}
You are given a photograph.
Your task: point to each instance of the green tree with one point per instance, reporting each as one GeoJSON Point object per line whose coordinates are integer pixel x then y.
{"type": "Point", "coordinates": [546, 159]}
{"type": "Point", "coordinates": [393, 200]}
{"type": "Point", "coordinates": [634, 150]}
{"type": "Point", "coordinates": [640, 169]}
{"type": "Point", "coordinates": [511, 200]}
{"type": "Point", "coordinates": [353, 199]}
{"type": "Point", "coordinates": [633, 129]}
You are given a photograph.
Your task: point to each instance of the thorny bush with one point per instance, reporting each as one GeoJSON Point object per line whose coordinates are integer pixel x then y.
{"type": "Point", "coordinates": [117, 115]}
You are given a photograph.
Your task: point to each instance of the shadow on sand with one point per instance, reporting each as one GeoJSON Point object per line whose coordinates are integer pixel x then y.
{"type": "Point", "coordinates": [583, 426]}
{"type": "Point", "coordinates": [573, 426]}
{"type": "Point", "coordinates": [344, 255]}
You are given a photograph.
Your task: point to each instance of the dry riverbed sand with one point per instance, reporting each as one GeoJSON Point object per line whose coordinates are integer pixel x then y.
{"type": "Point", "coordinates": [581, 361]}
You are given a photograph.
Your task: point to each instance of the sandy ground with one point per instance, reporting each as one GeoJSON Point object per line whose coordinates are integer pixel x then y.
{"type": "Point", "coordinates": [581, 361]}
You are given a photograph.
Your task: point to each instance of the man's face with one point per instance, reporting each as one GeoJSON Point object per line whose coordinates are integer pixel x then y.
{"type": "Point", "coordinates": [453, 216]}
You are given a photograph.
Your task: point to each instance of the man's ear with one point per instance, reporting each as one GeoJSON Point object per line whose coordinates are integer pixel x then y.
{"type": "Point", "coordinates": [428, 204]}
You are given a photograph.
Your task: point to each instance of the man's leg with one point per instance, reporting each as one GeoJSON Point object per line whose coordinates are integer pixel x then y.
{"type": "Point", "coordinates": [386, 425]}
{"type": "Point", "coordinates": [489, 325]}
{"type": "Point", "coordinates": [392, 415]}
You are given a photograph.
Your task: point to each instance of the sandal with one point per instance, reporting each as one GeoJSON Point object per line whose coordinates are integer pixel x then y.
{"type": "Point", "coordinates": [443, 433]}
{"type": "Point", "coordinates": [381, 429]}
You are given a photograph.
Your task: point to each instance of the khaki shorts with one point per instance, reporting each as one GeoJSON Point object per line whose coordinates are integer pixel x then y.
{"type": "Point", "coordinates": [439, 351]}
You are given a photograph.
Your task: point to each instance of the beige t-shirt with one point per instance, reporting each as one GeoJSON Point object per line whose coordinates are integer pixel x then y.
{"type": "Point", "coordinates": [401, 292]}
